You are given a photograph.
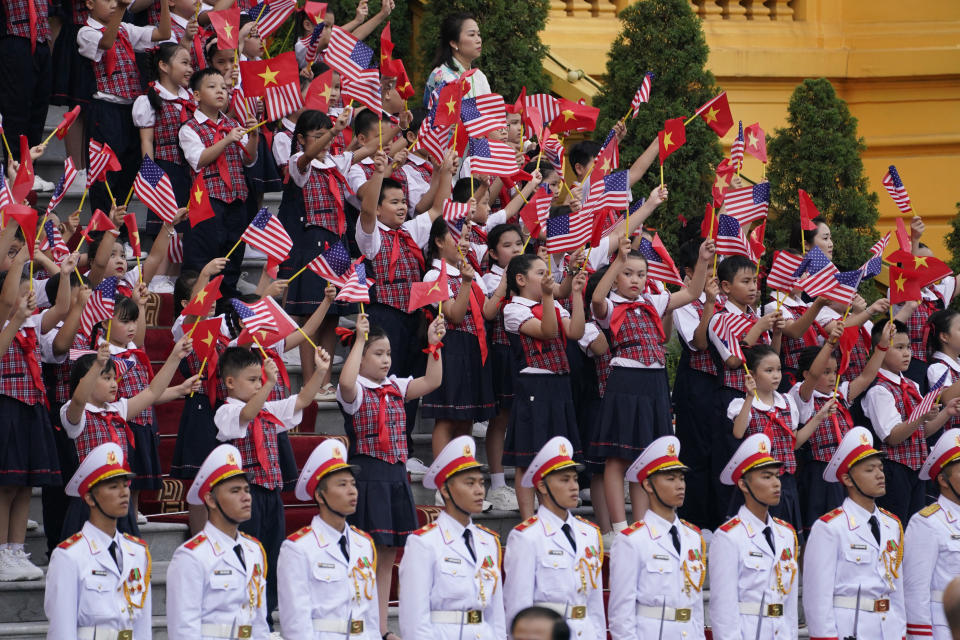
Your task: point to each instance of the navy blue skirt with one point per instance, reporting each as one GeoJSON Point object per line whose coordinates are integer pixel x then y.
{"type": "Point", "coordinates": [694, 411]}
{"type": "Point", "coordinates": [73, 80]}
{"type": "Point", "coordinates": [196, 437]}
{"type": "Point", "coordinates": [288, 463]}
{"type": "Point", "coordinates": [466, 392]}
{"type": "Point", "coordinates": [385, 506]}
{"type": "Point", "coordinates": [28, 450]}
{"type": "Point", "coordinates": [145, 457]}
{"type": "Point", "coordinates": [817, 496]}
{"type": "Point", "coordinates": [263, 176]}
{"type": "Point", "coordinates": [500, 361]}
{"type": "Point", "coordinates": [542, 409]}
{"type": "Point", "coordinates": [788, 509]}
{"type": "Point", "coordinates": [306, 292]}
{"type": "Point", "coordinates": [635, 411]}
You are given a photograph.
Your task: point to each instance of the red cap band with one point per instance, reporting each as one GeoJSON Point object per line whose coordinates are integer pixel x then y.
{"type": "Point", "coordinates": [330, 465]}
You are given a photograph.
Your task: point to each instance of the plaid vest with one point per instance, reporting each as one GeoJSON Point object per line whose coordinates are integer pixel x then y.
{"type": "Point", "coordinates": [918, 328]}
{"type": "Point", "coordinates": [393, 280]}
{"type": "Point", "coordinates": [776, 424]}
{"type": "Point", "coordinates": [701, 361]}
{"type": "Point", "coordinates": [133, 381]}
{"type": "Point", "coordinates": [790, 348]}
{"type": "Point", "coordinates": [124, 81]}
{"type": "Point", "coordinates": [469, 323]}
{"type": "Point", "coordinates": [364, 424]}
{"type": "Point", "coordinates": [166, 143]}
{"type": "Point", "coordinates": [540, 354]}
{"type": "Point", "coordinates": [602, 366]}
{"type": "Point", "coordinates": [18, 18]}
{"type": "Point", "coordinates": [267, 476]}
{"type": "Point", "coordinates": [324, 196]}
{"type": "Point", "coordinates": [216, 187]}
{"type": "Point", "coordinates": [824, 440]}
{"type": "Point", "coordinates": [858, 357]}
{"type": "Point", "coordinates": [80, 13]}
{"type": "Point", "coordinates": [101, 428]}
{"type": "Point", "coordinates": [16, 379]}
{"type": "Point", "coordinates": [912, 451]}
{"type": "Point", "coordinates": [59, 373]}
{"type": "Point", "coordinates": [637, 338]}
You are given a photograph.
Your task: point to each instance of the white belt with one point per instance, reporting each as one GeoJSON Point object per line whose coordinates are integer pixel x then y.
{"type": "Point", "coordinates": [769, 610]}
{"type": "Point", "coordinates": [866, 604]}
{"type": "Point", "coordinates": [456, 617]}
{"type": "Point", "coordinates": [670, 614]}
{"type": "Point", "coordinates": [335, 625]}
{"type": "Point", "coordinates": [102, 632]}
{"type": "Point", "coordinates": [228, 631]}
{"type": "Point", "coordinates": [936, 596]}
{"type": "Point", "coordinates": [568, 611]}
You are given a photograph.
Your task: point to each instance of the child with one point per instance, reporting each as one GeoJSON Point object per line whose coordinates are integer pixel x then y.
{"type": "Point", "coordinates": [108, 257]}
{"type": "Point", "coordinates": [636, 405]}
{"type": "Point", "coordinates": [859, 316]}
{"type": "Point", "coordinates": [251, 423]}
{"type": "Point", "coordinates": [109, 44]}
{"type": "Point", "coordinates": [543, 405]}
{"type": "Point", "coordinates": [466, 394]}
{"type": "Point", "coordinates": [372, 401]}
{"type": "Point", "coordinates": [943, 351]}
{"type": "Point", "coordinates": [94, 415]}
{"type": "Point", "coordinates": [217, 148]}
{"type": "Point", "coordinates": [159, 115]}
{"type": "Point", "coordinates": [372, 132]}
{"type": "Point", "coordinates": [888, 405]}
{"type": "Point", "coordinates": [800, 329]}
{"type": "Point", "coordinates": [421, 187]}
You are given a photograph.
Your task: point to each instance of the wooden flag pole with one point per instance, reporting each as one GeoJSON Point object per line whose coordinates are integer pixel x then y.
{"type": "Point", "coordinates": [109, 327]}
{"type": "Point", "coordinates": [661, 175]}
{"type": "Point", "coordinates": [756, 397]}
{"type": "Point", "coordinates": [691, 119]}
{"type": "Point", "coordinates": [6, 144]}
{"type": "Point", "coordinates": [307, 338]}
{"type": "Point", "coordinates": [129, 197]}
{"type": "Point", "coordinates": [109, 192]}
{"type": "Point", "coordinates": [259, 346]}
{"type": "Point", "coordinates": [628, 114]}
{"type": "Point", "coordinates": [199, 373]}
{"type": "Point", "coordinates": [40, 226]}
{"type": "Point", "coordinates": [82, 198]}
{"type": "Point", "coordinates": [49, 137]}
{"type": "Point", "coordinates": [290, 279]}
{"type": "Point", "coordinates": [256, 126]}
{"type": "Point", "coordinates": [364, 312]}
{"type": "Point", "coordinates": [234, 248]}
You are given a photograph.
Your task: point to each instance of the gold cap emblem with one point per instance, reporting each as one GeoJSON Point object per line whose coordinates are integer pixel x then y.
{"type": "Point", "coordinates": [864, 439]}
{"type": "Point", "coordinates": [111, 457]}
{"type": "Point", "coordinates": [466, 450]}
{"type": "Point", "coordinates": [563, 449]}
{"type": "Point", "coordinates": [231, 460]}
{"type": "Point", "coordinates": [337, 453]}
{"type": "Point", "coordinates": [671, 450]}
{"type": "Point", "coordinates": [762, 446]}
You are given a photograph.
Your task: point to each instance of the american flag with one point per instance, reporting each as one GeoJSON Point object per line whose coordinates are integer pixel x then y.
{"type": "Point", "coordinates": [364, 88]}
{"type": "Point", "coordinates": [346, 55]}
{"type": "Point", "coordinates": [736, 149]}
{"type": "Point", "coordinates": [547, 105]}
{"type": "Point", "coordinates": [894, 186]}
{"type": "Point", "coordinates": [175, 249]}
{"type": "Point", "coordinates": [846, 286]}
{"type": "Point", "coordinates": [121, 364]}
{"type": "Point", "coordinates": [659, 264]}
{"type": "Point", "coordinates": [267, 234]}
{"type": "Point", "coordinates": [99, 305]}
{"type": "Point", "coordinates": [492, 157]}
{"type": "Point", "coordinates": [155, 190]}
{"type": "Point", "coordinates": [822, 280]}
{"type": "Point", "coordinates": [239, 104]}
{"type": "Point", "coordinates": [100, 156]}
{"type": "Point", "coordinates": [880, 246]}
{"type": "Point", "coordinates": [483, 114]}
{"type": "Point", "coordinates": [453, 211]}
{"type": "Point", "coordinates": [309, 42]}
{"type": "Point", "coordinates": [283, 100]}
{"type": "Point", "coordinates": [928, 400]}
{"type": "Point", "coordinates": [749, 203]}
{"type": "Point", "coordinates": [332, 263]}
{"type": "Point", "coordinates": [5, 196]}
{"type": "Point", "coordinates": [434, 141]}
{"type": "Point", "coordinates": [254, 319]}
{"type": "Point", "coordinates": [643, 93]}
{"type": "Point", "coordinates": [568, 232]}
{"type": "Point", "coordinates": [455, 226]}
{"type": "Point", "coordinates": [730, 238]}
{"type": "Point", "coordinates": [274, 14]}
{"type": "Point", "coordinates": [612, 191]}
{"type": "Point", "coordinates": [730, 327]}
{"type": "Point", "coordinates": [554, 152]}
{"type": "Point", "coordinates": [66, 180]}
{"type": "Point", "coordinates": [356, 286]}
{"type": "Point", "coordinates": [53, 242]}
{"type": "Point", "coordinates": [781, 276]}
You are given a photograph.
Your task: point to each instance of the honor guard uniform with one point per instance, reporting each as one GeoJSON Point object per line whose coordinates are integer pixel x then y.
{"type": "Point", "coordinates": [450, 573]}
{"type": "Point", "coordinates": [753, 563]}
{"type": "Point", "coordinates": [98, 584]}
{"type": "Point", "coordinates": [853, 555]}
{"type": "Point", "coordinates": [556, 562]}
{"type": "Point", "coordinates": [657, 566]}
{"type": "Point", "coordinates": [932, 544]}
{"type": "Point", "coordinates": [216, 584]}
{"type": "Point", "coordinates": [326, 578]}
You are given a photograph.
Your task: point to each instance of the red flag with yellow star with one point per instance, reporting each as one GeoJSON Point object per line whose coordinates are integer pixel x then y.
{"type": "Point", "coordinates": [808, 211]}
{"type": "Point", "coordinates": [316, 11]}
{"type": "Point", "coordinates": [386, 44]}
{"type": "Point", "coordinates": [199, 206]}
{"type": "Point", "coordinates": [133, 235]}
{"type": "Point", "coordinates": [318, 93]}
{"type": "Point", "coordinates": [721, 182]}
{"type": "Point", "coordinates": [574, 117]}
{"type": "Point", "coordinates": [904, 286]}
{"type": "Point", "coordinates": [448, 104]}
{"type": "Point", "coordinates": [202, 302]}
{"type": "Point", "coordinates": [424, 293]}
{"type": "Point", "coordinates": [716, 113]}
{"type": "Point", "coordinates": [260, 75]}
{"type": "Point", "coordinates": [227, 25]}
{"type": "Point", "coordinates": [755, 142]}
{"type": "Point", "coordinates": [926, 269]}
{"type": "Point", "coordinates": [206, 334]}
{"type": "Point", "coordinates": [671, 137]}
{"type": "Point", "coordinates": [395, 69]}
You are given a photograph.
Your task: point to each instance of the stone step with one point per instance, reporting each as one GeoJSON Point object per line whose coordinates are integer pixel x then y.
{"type": "Point", "coordinates": [163, 538]}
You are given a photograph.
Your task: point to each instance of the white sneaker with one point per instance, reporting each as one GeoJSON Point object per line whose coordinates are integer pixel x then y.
{"type": "Point", "coordinates": [487, 506]}
{"type": "Point", "coordinates": [32, 525]}
{"type": "Point", "coordinates": [480, 429]}
{"type": "Point", "coordinates": [10, 570]}
{"type": "Point", "coordinates": [327, 394]}
{"type": "Point", "coordinates": [163, 284]}
{"type": "Point", "coordinates": [141, 519]}
{"type": "Point", "coordinates": [79, 183]}
{"type": "Point", "coordinates": [39, 184]}
{"type": "Point", "coordinates": [29, 571]}
{"type": "Point", "coordinates": [503, 499]}
{"type": "Point", "coordinates": [416, 468]}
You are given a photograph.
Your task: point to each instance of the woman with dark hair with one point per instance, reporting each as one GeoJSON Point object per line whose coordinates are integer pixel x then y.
{"type": "Point", "coordinates": [460, 45]}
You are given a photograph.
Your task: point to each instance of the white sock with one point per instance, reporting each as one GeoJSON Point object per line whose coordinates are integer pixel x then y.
{"type": "Point", "coordinates": [619, 526]}
{"type": "Point", "coordinates": [497, 480]}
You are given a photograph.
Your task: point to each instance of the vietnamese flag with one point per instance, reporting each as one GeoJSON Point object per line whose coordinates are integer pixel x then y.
{"type": "Point", "coordinates": [199, 206]}
{"type": "Point", "coordinates": [808, 211]}
{"type": "Point", "coordinates": [395, 69]}
{"type": "Point", "coordinates": [424, 293]}
{"type": "Point", "coordinates": [130, 222]}
{"type": "Point", "coordinates": [517, 107]}
{"type": "Point", "coordinates": [709, 226]}
{"type": "Point", "coordinates": [202, 302]}
{"type": "Point", "coordinates": [849, 339]}
{"type": "Point", "coordinates": [904, 286]}
{"type": "Point", "coordinates": [574, 117]}
{"type": "Point", "coordinates": [672, 137]}
{"type": "Point", "coordinates": [904, 254]}
{"type": "Point", "coordinates": [23, 182]}
{"type": "Point", "coordinates": [756, 240]}
{"type": "Point", "coordinates": [755, 141]}
{"type": "Point", "coordinates": [26, 217]}
{"type": "Point", "coordinates": [448, 105]}
{"type": "Point", "coordinates": [722, 182]}
{"type": "Point", "coordinates": [318, 93]}
{"type": "Point", "coordinates": [206, 335]}
{"type": "Point", "coordinates": [275, 72]}
{"type": "Point", "coordinates": [927, 270]}
{"type": "Point", "coordinates": [386, 44]}
{"type": "Point", "coordinates": [716, 113]}
{"type": "Point", "coordinates": [227, 25]}
{"type": "Point", "coordinates": [316, 11]}
{"type": "Point", "coordinates": [99, 222]}
{"type": "Point", "coordinates": [68, 119]}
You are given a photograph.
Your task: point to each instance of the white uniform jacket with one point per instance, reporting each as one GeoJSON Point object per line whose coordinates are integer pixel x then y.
{"type": "Point", "coordinates": [744, 571]}
{"type": "Point", "coordinates": [931, 558]}
{"type": "Point", "coordinates": [442, 587]}
{"type": "Point", "coordinates": [321, 593]}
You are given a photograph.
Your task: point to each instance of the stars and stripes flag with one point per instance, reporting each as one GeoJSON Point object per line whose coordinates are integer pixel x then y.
{"type": "Point", "coordinates": [568, 232]}
{"type": "Point", "coordinates": [554, 151]}
{"type": "Point", "coordinates": [822, 280]}
{"type": "Point", "coordinates": [730, 238]}
{"type": "Point", "coordinates": [880, 246]}
{"type": "Point", "coordinates": [267, 234]}
{"type": "Point", "coordinates": [254, 319]}
{"type": "Point", "coordinates": [155, 190]}
{"type": "Point", "coordinates": [781, 276]}
{"type": "Point", "coordinates": [175, 250]}
{"type": "Point", "coordinates": [894, 186]}
{"type": "Point", "coordinates": [65, 182]}
{"type": "Point", "coordinates": [5, 196]}
{"type": "Point", "coordinates": [356, 285]}
{"type": "Point", "coordinates": [364, 88]}
{"type": "Point", "coordinates": [643, 93]}
{"type": "Point", "coordinates": [547, 105]}
{"type": "Point", "coordinates": [874, 265]}
{"type": "Point", "coordinates": [483, 114]}
{"type": "Point", "coordinates": [99, 305]}
{"type": "Point", "coordinates": [730, 328]}
{"type": "Point", "coordinates": [453, 211]}
{"type": "Point", "coordinates": [101, 159]}
{"type": "Point", "coordinates": [283, 100]}
{"type": "Point", "coordinates": [122, 364]}
{"type": "Point", "coordinates": [270, 14]}
{"type": "Point", "coordinates": [736, 149]}
{"type": "Point", "coordinates": [332, 264]}
{"type": "Point", "coordinates": [846, 286]}
{"type": "Point", "coordinates": [749, 203]}
{"type": "Point", "coordinates": [434, 141]}
{"type": "Point", "coordinates": [239, 104]}
{"type": "Point", "coordinates": [660, 265]}
{"type": "Point", "coordinates": [310, 42]}
{"type": "Point", "coordinates": [492, 157]}
{"type": "Point", "coordinates": [346, 55]}
{"type": "Point", "coordinates": [613, 191]}
{"type": "Point", "coordinates": [53, 242]}
{"type": "Point", "coordinates": [925, 405]}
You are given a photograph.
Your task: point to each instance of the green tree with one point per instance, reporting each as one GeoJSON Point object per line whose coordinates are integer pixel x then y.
{"type": "Point", "coordinates": [819, 151]}
{"type": "Point", "coordinates": [513, 53]}
{"type": "Point", "coordinates": [665, 37]}
{"type": "Point", "coordinates": [401, 30]}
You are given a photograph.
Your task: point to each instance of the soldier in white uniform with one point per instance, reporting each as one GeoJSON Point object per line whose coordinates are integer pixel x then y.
{"type": "Point", "coordinates": [753, 556]}
{"type": "Point", "coordinates": [326, 573]}
{"type": "Point", "coordinates": [98, 583]}
{"type": "Point", "coordinates": [931, 552]}
{"type": "Point", "coordinates": [554, 559]}
{"type": "Point", "coordinates": [658, 564]}
{"type": "Point", "coordinates": [450, 572]}
{"type": "Point", "coordinates": [216, 581]}
{"type": "Point", "coordinates": [855, 549]}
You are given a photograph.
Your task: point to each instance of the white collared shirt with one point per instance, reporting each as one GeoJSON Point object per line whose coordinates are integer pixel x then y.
{"type": "Point", "coordinates": [418, 228]}
{"type": "Point", "coordinates": [938, 364]}
{"type": "Point", "coordinates": [229, 426]}
{"type": "Point", "coordinates": [806, 410]}
{"type": "Point", "coordinates": [518, 311]}
{"type": "Point", "coordinates": [143, 114]}
{"type": "Point", "coordinates": [452, 272]}
{"type": "Point", "coordinates": [712, 333]}
{"type": "Point", "coordinates": [779, 401]}
{"type": "Point", "coordinates": [351, 408]}
{"type": "Point", "coordinates": [88, 44]}
{"type": "Point", "coordinates": [659, 302]}
{"type": "Point", "coordinates": [193, 147]}
{"type": "Point", "coordinates": [880, 406]}
{"type": "Point", "coordinates": [417, 187]}
{"type": "Point", "coordinates": [283, 143]}
{"type": "Point", "coordinates": [118, 407]}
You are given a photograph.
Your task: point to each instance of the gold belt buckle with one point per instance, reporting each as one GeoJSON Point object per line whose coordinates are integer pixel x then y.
{"type": "Point", "coordinates": [125, 634]}
{"type": "Point", "coordinates": [881, 605]}
{"type": "Point", "coordinates": [356, 626]}
{"type": "Point", "coordinates": [245, 631]}
{"type": "Point", "coordinates": [681, 615]}
{"type": "Point", "coordinates": [774, 610]}
{"type": "Point", "coordinates": [474, 616]}
{"type": "Point", "coordinates": [578, 612]}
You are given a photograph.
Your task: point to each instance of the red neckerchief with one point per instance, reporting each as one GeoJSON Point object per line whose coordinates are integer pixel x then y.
{"type": "Point", "coordinates": [113, 421]}
{"type": "Point", "coordinates": [259, 438]}
{"type": "Point", "coordinates": [198, 54]}
{"type": "Point", "coordinates": [211, 372]}
{"type": "Point", "coordinates": [141, 357]}
{"type": "Point", "coordinates": [909, 391]}
{"type": "Point", "coordinates": [32, 16]}
{"type": "Point", "coordinates": [398, 236]}
{"type": "Point", "coordinates": [476, 313]}
{"type": "Point", "coordinates": [122, 42]}
{"type": "Point", "coordinates": [773, 418]}
{"type": "Point", "coordinates": [619, 315]}
{"type": "Point", "coordinates": [537, 311]}
{"type": "Point", "coordinates": [27, 339]}
{"type": "Point", "coordinates": [383, 433]}
{"type": "Point", "coordinates": [218, 132]}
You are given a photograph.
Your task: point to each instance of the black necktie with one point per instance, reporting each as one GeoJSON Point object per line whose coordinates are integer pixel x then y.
{"type": "Point", "coordinates": [768, 534]}
{"type": "Point", "coordinates": [875, 528]}
{"type": "Point", "coordinates": [239, 551]}
{"type": "Point", "coordinates": [467, 540]}
{"type": "Point", "coordinates": [343, 548]}
{"type": "Point", "coordinates": [568, 530]}
{"type": "Point", "coordinates": [113, 554]}
{"type": "Point", "coordinates": [676, 538]}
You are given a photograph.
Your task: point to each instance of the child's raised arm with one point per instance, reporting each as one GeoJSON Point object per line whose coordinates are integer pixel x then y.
{"type": "Point", "coordinates": [545, 328]}
{"type": "Point", "coordinates": [643, 162]}
{"type": "Point", "coordinates": [701, 337]}
{"type": "Point", "coordinates": [152, 394]}
{"type": "Point", "coordinates": [371, 196]}
{"type": "Point", "coordinates": [78, 401]}
{"type": "Point", "coordinates": [311, 387]}
{"type": "Point", "coordinates": [351, 366]}
{"type": "Point", "coordinates": [598, 303]}
{"type": "Point", "coordinates": [819, 363]}
{"type": "Point", "coordinates": [313, 323]}
{"type": "Point", "coordinates": [862, 382]}
{"type": "Point", "coordinates": [158, 251]}
{"type": "Point", "coordinates": [826, 412]}
{"type": "Point", "coordinates": [573, 326]}
{"type": "Point", "coordinates": [742, 421]}
{"type": "Point", "coordinates": [431, 380]}
{"type": "Point", "coordinates": [64, 338]}
{"type": "Point", "coordinates": [693, 290]}
{"type": "Point", "coordinates": [657, 197]}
